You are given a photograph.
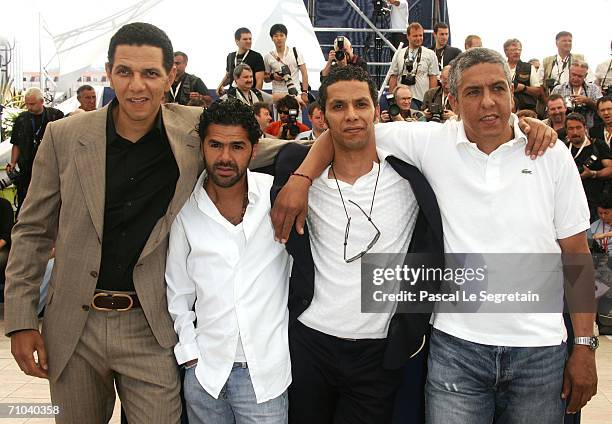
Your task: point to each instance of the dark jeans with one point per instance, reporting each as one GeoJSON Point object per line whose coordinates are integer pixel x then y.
{"type": "Point", "coordinates": [337, 381]}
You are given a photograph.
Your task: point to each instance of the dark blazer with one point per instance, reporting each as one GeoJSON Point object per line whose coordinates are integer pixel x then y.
{"type": "Point", "coordinates": [407, 332]}
{"type": "Point", "coordinates": [449, 54]}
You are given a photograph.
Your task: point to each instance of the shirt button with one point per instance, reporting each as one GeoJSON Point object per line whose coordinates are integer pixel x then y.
{"type": "Point", "coordinates": [128, 204]}
{"type": "Point", "coordinates": [305, 302]}
{"type": "Point", "coordinates": [94, 274]}
{"type": "Point", "coordinates": [132, 179]}
{"type": "Point", "coordinates": [85, 308]}
{"type": "Point", "coordinates": [123, 234]}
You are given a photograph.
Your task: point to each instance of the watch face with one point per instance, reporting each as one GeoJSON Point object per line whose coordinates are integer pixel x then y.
{"type": "Point", "coordinates": [594, 343]}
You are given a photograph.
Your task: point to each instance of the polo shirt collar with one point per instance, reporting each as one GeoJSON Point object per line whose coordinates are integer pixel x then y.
{"type": "Point", "coordinates": [519, 136]}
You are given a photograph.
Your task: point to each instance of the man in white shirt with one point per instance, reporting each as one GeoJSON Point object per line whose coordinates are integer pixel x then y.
{"type": "Point", "coordinates": [399, 20]}
{"type": "Point", "coordinates": [493, 199]}
{"type": "Point", "coordinates": [415, 66]}
{"type": "Point", "coordinates": [228, 282]}
{"type": "Point", "coordinates": [284, 66]}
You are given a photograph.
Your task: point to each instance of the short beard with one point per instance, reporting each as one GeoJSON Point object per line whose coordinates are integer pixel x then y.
{"type": "Point", "coordinates": [224, 182]}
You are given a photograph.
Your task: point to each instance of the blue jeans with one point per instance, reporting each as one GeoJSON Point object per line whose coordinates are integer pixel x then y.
{"type": "Point", "coordinates": [470, 383]}
{"type": "Point", "coordinates": [236, 402]}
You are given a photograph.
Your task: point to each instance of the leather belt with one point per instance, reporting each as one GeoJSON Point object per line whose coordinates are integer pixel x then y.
{"type": "Point", "coordinates": [121, 302]}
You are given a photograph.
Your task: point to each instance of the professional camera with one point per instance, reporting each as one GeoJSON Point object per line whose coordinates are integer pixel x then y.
{"type": "Point", "coordinates": [410, 77]}
{"type": "Point", "coordinates": [285, 74]}
{"type": "Point", "coordinates": [582, 109]}
{"type": "Point", "coordinates": [339, 47]}
{"type": "Point", "coordinates": [392, 107]}
{"type": "Point", "coordinates": [550, 83]}
{"type": "Point", "coordinates": [13, 178]}
{"type": "Point", "coordinates": [290, 127]}
{"type": "Point", "coordinates": [380, 7]}
{"type": "Point", "coordinates": [588, 163]}
{"type": "Point", "coordinates": [436, 112]}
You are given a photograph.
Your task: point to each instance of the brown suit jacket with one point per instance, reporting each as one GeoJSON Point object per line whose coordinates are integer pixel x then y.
{"type": "Point", "coordinates": [65, 203]}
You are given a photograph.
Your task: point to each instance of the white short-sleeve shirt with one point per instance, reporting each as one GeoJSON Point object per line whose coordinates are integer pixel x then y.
{"type": "Point", "coordinates": [273, 63]}
{"type": "Point", "coordinates": [428, 65]}
{"type": "Point", "coordinates": [503, 202]}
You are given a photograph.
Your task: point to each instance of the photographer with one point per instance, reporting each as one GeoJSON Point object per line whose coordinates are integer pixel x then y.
{"type": "Point", "coordinates": [524, 77]}
{"type": "Point", "coordinates": [244, 54]}
{"type": "Point", "coordinates": [557, 112]}
{"type": "Point", "coordinates": [604, 131]}
{"type": "Point", "coordinates": [415, 66]}
{"type": "Point", "coordinates": [342, 55]}
{"type": "Point", "coordinates": [580, 96]}
{"type": "Point", "coordinates": [436, 106]}
{"type": "Point", "coordinates": [399, 20]}
{"type": "Point", "coordinates": [593, 159]}
{"type": "Point", "coordinates": [284, 65]}
{"type": "Point", "coordinates": [603, 75]}
{"type": "Point", "coordinates": [398, 108]}
{"type": "Point", "coordinates": [288, 127]}
{"type": "Point", "coordinates": [243, 89]}
{"type": "Point", "coordinates": [317, 120]}
{"type": "Point", "coordinates": [28, 132]}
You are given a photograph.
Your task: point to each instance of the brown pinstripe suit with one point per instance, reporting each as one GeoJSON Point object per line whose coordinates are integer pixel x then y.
{"type": "Point", "coordinates": [66, 204]}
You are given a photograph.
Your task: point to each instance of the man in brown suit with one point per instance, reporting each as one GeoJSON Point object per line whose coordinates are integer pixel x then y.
{"type": "Point", "coordinates": [108, 185]}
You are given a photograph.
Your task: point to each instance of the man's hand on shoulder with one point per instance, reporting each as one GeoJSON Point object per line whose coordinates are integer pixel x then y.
{"type": "Point", "coordinates": [23, 345]}
{"type": "Point", "coordinates": [539, 136]}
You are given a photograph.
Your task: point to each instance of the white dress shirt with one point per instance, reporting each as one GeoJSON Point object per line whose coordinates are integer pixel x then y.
{"type": "Point", "coordinates": [503, 202]}
{"type": "Point", "coordinates": [238, 278]}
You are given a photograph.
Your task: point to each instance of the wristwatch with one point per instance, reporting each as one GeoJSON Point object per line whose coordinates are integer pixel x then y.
{"type": "Point", "coordinates": [591, 342]}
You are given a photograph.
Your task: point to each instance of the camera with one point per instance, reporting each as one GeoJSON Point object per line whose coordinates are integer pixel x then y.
{"type": "Point", "coordinates": [285, 74]}
{"type": "Point", "coordinates": [290, 127]}
{"type": "Point", "coordinates": [436, 112]}
{"type": "Point", "coordinates": [339, 44]}
{"type": "Point", "coordinates": [588, 163]}
{"type": "Point", "coordinates": [550, 83]}
{"type": "Point", "coordinates": [582, 109]}
{"type": "Point", "coordinates": [409, 79]}
{"type": "Point", "coordinates": [13, 178]}
{"type": "Point", "coordinates": [393, 108]}
{"type": "Point", "coordinates": [380, 7]}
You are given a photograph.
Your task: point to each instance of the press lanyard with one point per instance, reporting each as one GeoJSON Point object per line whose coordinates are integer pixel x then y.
{"type": "Point", "coordinates": [249, 100]}
{"type": "Point", "coordinates": [565, 63]}
{"type": "Point", "coordinates": [176, 91]}
{"type": "Point", "coordinates": [584, 143]}
{"type": "Point", "coordinates": [241, 60]}
{"type": "Point", "coordinates": [604, 242]}
{"type": "Point", "coordinates": [37, 131]}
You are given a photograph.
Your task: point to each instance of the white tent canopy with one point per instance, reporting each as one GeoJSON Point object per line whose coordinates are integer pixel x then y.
{"type": "Point", "coordinates": [202, 29]}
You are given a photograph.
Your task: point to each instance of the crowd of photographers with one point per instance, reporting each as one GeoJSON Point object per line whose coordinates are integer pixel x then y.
{"type": "Point", "coordinates": [560, 86]}
{"type": "Point", "coordinates": [561, 90]}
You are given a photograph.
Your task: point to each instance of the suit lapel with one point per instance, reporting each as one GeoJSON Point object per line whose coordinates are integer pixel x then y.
{"type": "Point", "coordinates": [90, 161]}
{"type": "Point", "coordinates": [185, 148]}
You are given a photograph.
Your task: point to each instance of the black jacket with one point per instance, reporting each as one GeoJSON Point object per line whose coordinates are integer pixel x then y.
{"type": "Point", "coordinates": [448, 54]}
{"type": "Point", "coordinates": [407, 332]}
{"type": "Point", "coordinates": [23, 136]}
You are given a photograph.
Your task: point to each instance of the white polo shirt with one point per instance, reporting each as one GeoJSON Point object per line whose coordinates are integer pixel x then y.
{"type": "Point", "coordinates": [489, 205]}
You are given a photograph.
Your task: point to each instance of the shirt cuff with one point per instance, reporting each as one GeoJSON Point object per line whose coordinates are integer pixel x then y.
{"type": "Point", "coordinates": [186, 352]}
